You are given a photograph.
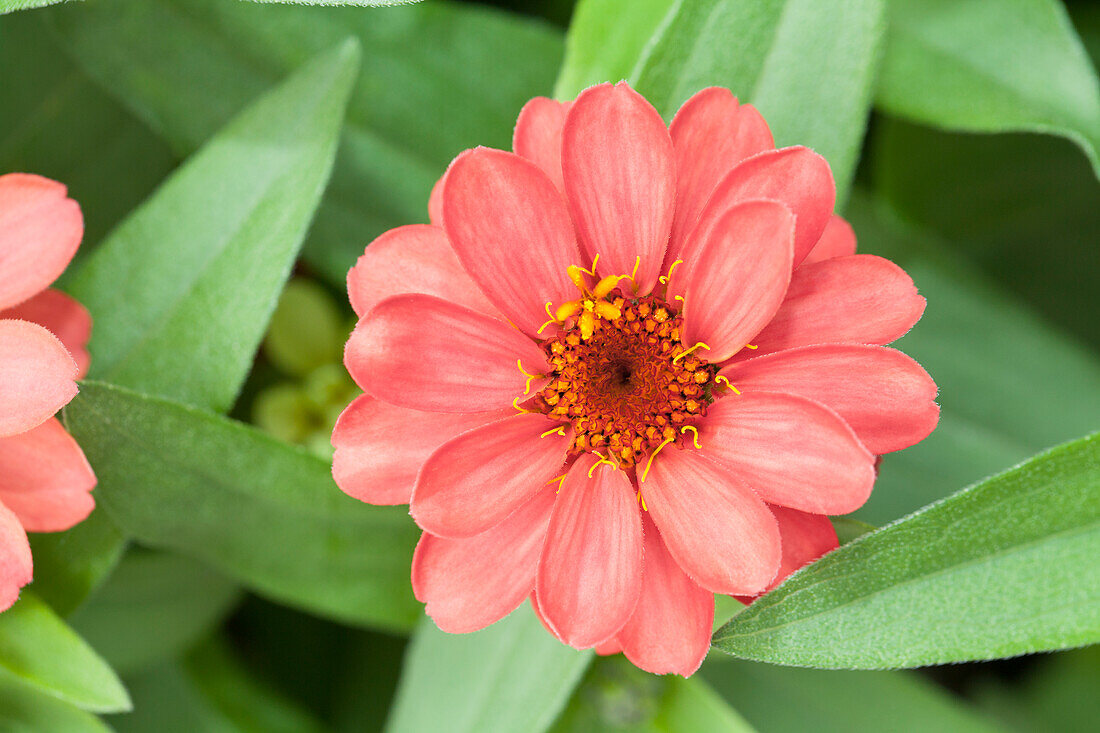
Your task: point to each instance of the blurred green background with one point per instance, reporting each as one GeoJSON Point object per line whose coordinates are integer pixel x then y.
{"type": "Point", "coordinates": [1000, 233]}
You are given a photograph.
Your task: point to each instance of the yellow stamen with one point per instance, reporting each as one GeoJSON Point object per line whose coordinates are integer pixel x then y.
{"type": "Point", "coordinates": [641, 499]}
{"type": "Point", "coordinates": [565, 310]}
{"type": "Point", "coordinates": [530, 377]}
{"type": "Point", "coordinates": [634, 273]}
{"type": "Point", "coordinates": [671, 268]}
{"type": "Point", "coordinates": [649, 463]}
{"type": "Point", "coordinates": [750, 346]}
{"type": "Point", "coordinates": [576, 274]}
{"type": "Point", "coordinates": [605, 286]}
{"type": "Point", "coordinates": [559, 479]}
{"type": "Point", "coordinates": [607, 310]}
{"type": "Point", "coordinates": [682, 354]}
{"type": "Point", "coordinates": [560, 430]}
{"type": "Point", "coordinates": [515, 404]}
{"type": "Point", "coordinates": [695, 434]}
{"type": "Point", "coordinates": [593, 467]}
{"type": "Point", "coordinates": [723, 378]}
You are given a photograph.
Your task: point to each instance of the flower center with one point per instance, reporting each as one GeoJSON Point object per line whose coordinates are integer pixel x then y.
{"type": "Point", "coordinates": [622, 378]}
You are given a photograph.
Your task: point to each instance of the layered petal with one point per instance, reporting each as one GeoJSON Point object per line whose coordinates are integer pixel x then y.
{"type": "Point", "coordinates": [510, 228]}
{"type": "Point", "coordinates": [435, 202]}
{"type": "Point", "coordinates": [716, 528]}
{"type": "Point", "coordinates": [737, 277]}
{"type": "Point", "coordinates": [837, 240]}
{"type": "Point", "coordinates": [620, 180]}
{"type": "Point", "coordinates": [62, 316]}
{"type": "Point", "coordinates": [790, 450]}
{"type": "Point", "coordinates": [475, 480]}
{"type": "Point", "coordinates": [590, 572]}
{"type": "Point", "coordinates": [537, 136]}
{"type": "Point", "coordinates": [380, 447]}
{"type": "Point", "coordinates": [36, 376]}
{"type": "Point", "coordinates": [45, 478]}
{"type": "Point", "coordinates": [412, 259]}
{"type": "Point", "coordinates": [885, 396]}
{"type": "Point", "coordinates": [796, 176]}
{"type": "Point", "coordinates": [711, 134]}
{"type": "Point", "coordinates": [669, 632]}
{"type": "Point", "coordinates": [468, 584]}
{"type": "Point", "coordinates": [16, 569]}
{"type": "Point", "coordinates": [424, 353]}
{"type": "Point", "coordinates": [805, 537]}
{"type": "Point", "coordinates": [40, 230]}
{"type": "Point", "coordinates": [860, 299]}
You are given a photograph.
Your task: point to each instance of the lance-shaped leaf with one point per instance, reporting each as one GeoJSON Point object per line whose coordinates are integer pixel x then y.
{"type": "Point", "coordinates": [38, 649]}
{"type": "Point", "coordinates": [24, 707]}
{"type": "Point", "coordinates": [182, 290]}
{"type": "Point", "coordinates": [967, 65]}
{"type": "Point", "coordinates": [433, 83]}
{"type": "Point", "coordinates": [1005, 567]}
{"type": "Point", "coordinates": [258, 510]}
{"type": "Point", "coordinates": [511, 676]}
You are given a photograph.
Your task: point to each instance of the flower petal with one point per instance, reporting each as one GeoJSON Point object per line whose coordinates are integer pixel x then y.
{"type": "Point", "coordinates": [805, 537]}
{"type": "Point", "coordinates": [797, 176]}
{"type": "Point", "coordinates": [510, 228]}
{"type": "Point", "coordinates": [737, 277]}
{"type": "Point", "coordinates": [837, 240]}
{"type": "Point", "coordinates": [720, 533]}
{"type": "Point", "coordinates": [790, 450]}
{"type": "Point", "coordinates": [424, 353]}
{"type": "Point", "coordinates": [40, 230]}
{"type": "Point", "coordinates": [468, 584]}
{"type": "Point", "coordinates": [380, 447]}
{"type": "Point", "coordinates": [885, 396]}
{"type": "Point", "coordinates": [36, 376]}
{"type": "Point", "coordinates": [412, 259]}
{"type": "Point", "coordinates": [16, 569]}
{"type": "Point", "coordinates": [45, 478]}
{"type": "Point", "coordinates": [62, 316]}
{"type": "Point", "coordinates": [620, 179]}
{"type": "Point", "coordinates": [537, 136]}
{"type": "Point", "coordinates": [590, 572]}
{"type": "Point", "coordinates": [669, 632]}
{"type": "Point", "coordinates": [860, 299]}
{"type": "Point", "coordinates": [475, 480]}
{"type": "Point", "coordinates": [435, 202]}
{"type": "Point", "coordinates": [711, 134]}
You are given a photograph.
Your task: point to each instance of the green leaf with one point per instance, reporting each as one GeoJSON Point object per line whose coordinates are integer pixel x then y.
{"type": "Point", "coordinates": [37, 648]}
{"type": "Point", "coordinates": [56, 122]}
{"type": "Point", "coordinates": [10, 6]}
{"type": "Point", "coordinates": [512, 676]}
{"type": "Point", "coordinates": [1010, 384]}
{"type": "Point", "coordinates": [967, 65]}
{"type": "Point", "coordinates": [1004, 200]}
{"type": "Point", "coordinates": [152, 608]}
{"type": "Point", "coordinates": [209, 691]}
{"type": "Point", "coordinates": [1005, 567]}
{"type": "Point", "coordinates": [605, 40]}
{"type": "Point", "coordinates": [617, 697]}
{"type": "Point", "coordinates": [433, 85]}
{"type": "Point", "coordinates": [1056, 693]}
{"type": "Point", "coordinates": [25, 709]}
{"type": "Point", "coordinates": [330, 3]}
{"type": "Point", "coordinates": [183, 289]}
{"type": "Point", "coordinates": [848, 529]}
{"type": "Point", "coordinates": [788, 700]}
{"type": "Point", "coordinates": [69, 565]}
{"type": "Point", "coordinates": [808, 66]}
{"type": "Point", "coordinates": [256, 509]}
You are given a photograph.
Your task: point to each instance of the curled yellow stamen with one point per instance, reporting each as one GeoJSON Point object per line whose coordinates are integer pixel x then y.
{"type": "Point", "coordinates": [684, 353]}
{"type": "Point", "coordinates": [593, 467]}
{"type": "Point", "coordinates": [634, 273]}
{"type": "Point", "coordinates": [750, 346]}
{"type": "Point", "coordinates": [560, 430]}
{"type": "Point", "coordinates": [723, 378]}
{"type": "Point", "coordinates": [552, 319]}
{"type": "Point", "coordinates": [641, 500]}
{"type": "Point", "coordinates": [515, 404]}
{"type": "Point", "coordinates": [649, 463]}
{"type": "Point", "coordinates": [530, 377]}
{"type": "Point", "coordinates": [695, 434]}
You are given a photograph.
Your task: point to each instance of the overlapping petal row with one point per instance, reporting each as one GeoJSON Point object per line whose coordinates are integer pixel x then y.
{"type": "Point", "coordinates": [44, 478]}
{"type": "Point", "coordinates": [793, 321]}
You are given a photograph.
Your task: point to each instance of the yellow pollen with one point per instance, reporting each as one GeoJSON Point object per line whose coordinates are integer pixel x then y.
{"type": "Point", "coordinates": [695, 434]}
{"type": "Point", "coordinates": [605, 286]}
{"type": "Point", "coordinates": [682, 354]}
{"type": "Point", "coordinates": [566, 310]}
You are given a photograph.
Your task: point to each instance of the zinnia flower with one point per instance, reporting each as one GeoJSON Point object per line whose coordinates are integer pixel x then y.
{"type": "Point", "coordinates": [44, 478]}
{"type": "Point", "coordinates": [625, 368]}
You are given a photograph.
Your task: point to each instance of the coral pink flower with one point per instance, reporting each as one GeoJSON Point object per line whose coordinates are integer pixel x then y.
{"type": "Point", "coordinates": [626, 367]}
{"type": "Point", "coordinates": [44, 478]}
